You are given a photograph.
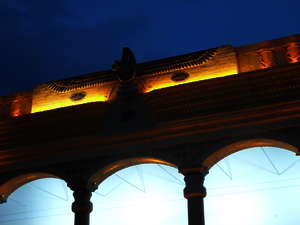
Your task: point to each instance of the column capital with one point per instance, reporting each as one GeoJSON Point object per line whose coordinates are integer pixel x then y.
{"type": "Point", "coordinates": [81, 182]}
{"type": "Point", "coordinates": [194, 192]}
{"type": "Point", "coordinates": [82, 202]}
{"type": "Point", "coordinates": [74, 186]}
{"type": "Point", "coordinates": [82, 206]}
{"type": "Point", "coordinates": [194, 170]}
{"type": "Point", "coordinates": [194, 179]}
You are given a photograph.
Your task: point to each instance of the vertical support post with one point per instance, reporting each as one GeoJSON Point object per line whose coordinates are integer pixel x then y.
{"type": "Point", "coordinates": [82, 206]}
{"type": "Point", "coordinates": [195, 192]}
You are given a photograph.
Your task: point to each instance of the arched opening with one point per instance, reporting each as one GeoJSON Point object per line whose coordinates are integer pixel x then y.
{"type": "Point", "coordinates": [107, 171]}
{"type": "Point", "coordinates": [149, 194]}
{"type": "Point", "coordinates": [36, 200]}
{"type": "Point", "coordinates": [220, 154]}
{"type": "Point", "coordinates": [14, 183]}
{"type": "Point", "coordinates": [254, 186]}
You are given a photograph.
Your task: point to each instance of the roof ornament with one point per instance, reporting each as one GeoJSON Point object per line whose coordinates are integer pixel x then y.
{"type": "Point", "coordinates": [126, 68]}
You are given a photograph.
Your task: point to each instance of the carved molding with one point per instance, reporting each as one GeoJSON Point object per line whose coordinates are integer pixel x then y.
{"type": "Point", "coordinates": [70, 84]}
{"type": "Point", "coordinates": [172, 64]}
{"type": "Point", "coordinates": [194, 180]}
{"type": "Point", "coordinates": [267, 58]}
{"type": "Point", "coordinates": [178, 63]}
{"type": "Point", "coordinates": [293, 52]}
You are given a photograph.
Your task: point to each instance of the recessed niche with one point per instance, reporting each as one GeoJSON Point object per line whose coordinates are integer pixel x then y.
{"type": "Point", "coordinates": [78, 96]}
{"type": "Point", "coordinates": [179, 76]}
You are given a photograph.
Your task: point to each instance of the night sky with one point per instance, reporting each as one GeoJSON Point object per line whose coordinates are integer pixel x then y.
{"type": "Point", "coordinates": [45, 40]}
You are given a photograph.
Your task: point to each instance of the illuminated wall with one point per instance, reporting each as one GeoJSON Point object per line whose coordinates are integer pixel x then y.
{"type": "Point", "coordinates": [222, 63]}
{"type": "Point", "coordinates": [45, 98]}
{"type": "Point", "coordinates": [268, 54]}
{"type": "Point", "coordinates": [162, 73]}
{"type": "Point", "coordinates": [15, 105]}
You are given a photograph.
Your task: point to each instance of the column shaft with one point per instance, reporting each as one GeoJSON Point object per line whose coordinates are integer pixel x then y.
{"type": "Point", "coordinates": [195, 192]}
{"type": "Point", "coordinates": [196, 211]}
{"type": "Point", "coordinates": [82, 206]}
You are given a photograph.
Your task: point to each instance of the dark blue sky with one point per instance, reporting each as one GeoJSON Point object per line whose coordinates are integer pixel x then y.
{"type": "Point", "coordinates": [44, 40]}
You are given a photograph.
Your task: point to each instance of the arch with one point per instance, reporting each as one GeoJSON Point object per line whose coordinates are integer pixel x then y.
{"type": "Point", "coordinates": [14, 183]}
{"type": "Point", "coordinates": [105, 172]}
{"type": "Point", "coordinates": [221, 153]}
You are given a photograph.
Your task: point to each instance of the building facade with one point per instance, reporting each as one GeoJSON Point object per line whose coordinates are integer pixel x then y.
{"type": "Point", "coordinates": [187, 111]}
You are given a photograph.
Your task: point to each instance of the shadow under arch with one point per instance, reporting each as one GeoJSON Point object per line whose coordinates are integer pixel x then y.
{"type": "Point", "coordinates": [110, 169]}
{"type": "Point", "coordinates": [221, 153]}
{"type": "Point", "coordinates": [14, 183]}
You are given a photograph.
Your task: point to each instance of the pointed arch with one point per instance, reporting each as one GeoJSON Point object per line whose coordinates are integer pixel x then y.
{"type": "Point", "coordinates": [221, 153]}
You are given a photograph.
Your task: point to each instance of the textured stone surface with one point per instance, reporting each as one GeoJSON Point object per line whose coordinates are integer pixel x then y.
{"type": "Point", "coordinates": [187, 125]}
{"type": "Point", "coordinates": [202, 65]}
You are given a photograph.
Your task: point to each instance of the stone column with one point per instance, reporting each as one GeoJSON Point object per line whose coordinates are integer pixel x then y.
{"type": "Point", "coordinates": [82, 207]}
{"type": "Point", "coordinates": [195, 192]}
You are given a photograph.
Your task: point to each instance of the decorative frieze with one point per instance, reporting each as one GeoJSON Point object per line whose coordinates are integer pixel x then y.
{"type": "Point", "coordinates": [267, 58]}
{"type": "Point", "coordinates": [293, 52]}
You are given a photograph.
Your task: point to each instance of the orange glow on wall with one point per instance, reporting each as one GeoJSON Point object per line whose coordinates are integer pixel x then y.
{"type": "Point", "coordinates": [60, 103]}
{"type": "Point", "coordinates": [165, 82]}
{"type": "Point", "coordinates": [45, 99]}
{"type": "Point", "coordinates": [267, 58]}
{"type": "Point", "coordinates": [293, 52]}
{"type": "Point", "coordinates": [16, 112]}
{"type": "Point", "coordinates": [224, 63]}
{"type": "Point", "coordinates": [16, 107]}
{"type": "Point", "coordinates": [220, 62]}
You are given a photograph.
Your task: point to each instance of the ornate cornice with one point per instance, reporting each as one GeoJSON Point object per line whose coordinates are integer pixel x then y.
{"type": "Point", "coordinates": [157, 67]}
{"type": "Point", "coordinates": [82, 82]}
{"type": "Point", "coordinates": [177, 63]}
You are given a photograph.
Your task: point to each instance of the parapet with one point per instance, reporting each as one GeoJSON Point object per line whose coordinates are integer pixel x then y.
{"type": "Point", "coordinates": [163, 73]}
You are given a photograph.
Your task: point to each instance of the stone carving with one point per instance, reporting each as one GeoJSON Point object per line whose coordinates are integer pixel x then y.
{"type": "Point", "coordinates": [78, 96]}
{"type": "Point", "coordinates": [293, 52]}
{"type": "Point", "coordinates": [179, 76]}
{"type": "Point", "coordinates": [89, 80]}
{"type": "Point", "coordinates": [177, 63]}
{"type": "Point", "coordinates": [126, 68]}
{"type": "Point", "coordinates": [266, 58]}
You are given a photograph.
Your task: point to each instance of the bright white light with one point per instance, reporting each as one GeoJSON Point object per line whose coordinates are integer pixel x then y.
{"type": "Point", "coordinates": [234, 209]}
{"type": "Point", "coordinates": [40, 202]}
{"type": "Point", "coordinates": [147, 210]}
{"type": "Point", "coordinates": [149, 194]}
{"type": "Point", "coordinates": [258, 186]}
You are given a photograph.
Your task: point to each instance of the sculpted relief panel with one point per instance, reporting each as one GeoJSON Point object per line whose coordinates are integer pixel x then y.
{"type": "Point", "coordinates": [158, 74]}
